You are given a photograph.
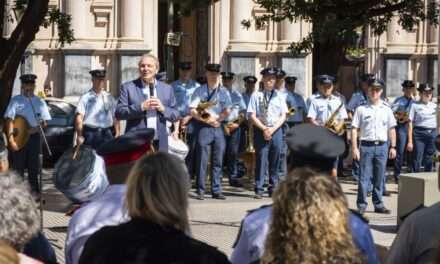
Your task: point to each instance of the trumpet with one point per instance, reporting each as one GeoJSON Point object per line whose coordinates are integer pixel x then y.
{"type": "Point", "coordinates": [333, 125]}
{"type": "Point", "coordinates": [402, 117]}
{"type": "Point", "coordinates": [238, 120]}
{"type": "Point", "coordinates": [291, 111]}
{"type": "Point", "coordinates": [202, 109]}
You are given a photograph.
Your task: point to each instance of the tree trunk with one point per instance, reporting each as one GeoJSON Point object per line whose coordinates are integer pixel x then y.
{"type": "Point", "coordinates": [12, 49]}
{"type": "Point", "coordinates": [328, 56]}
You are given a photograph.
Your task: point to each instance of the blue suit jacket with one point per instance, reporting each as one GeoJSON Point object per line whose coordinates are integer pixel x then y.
{"type": "Point", "coordinates": [129, 108]}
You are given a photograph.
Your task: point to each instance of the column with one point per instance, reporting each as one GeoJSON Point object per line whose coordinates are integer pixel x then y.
{"type": "Point", "coordinates": [131, 18]}
{"type": "Point", "coordinates": [77, 9]}
{"type": "Point", "coordinates": [240, 9]}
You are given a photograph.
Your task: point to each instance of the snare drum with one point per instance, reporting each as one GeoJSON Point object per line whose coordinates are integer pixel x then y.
{"type": "Point", "coordinates": [177, 147]}
{"type": "Point", "coordinates": [83, 178]}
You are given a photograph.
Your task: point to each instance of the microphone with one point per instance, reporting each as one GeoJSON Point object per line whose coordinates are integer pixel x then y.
{"type": "Point", "coordinates": [151, 86]}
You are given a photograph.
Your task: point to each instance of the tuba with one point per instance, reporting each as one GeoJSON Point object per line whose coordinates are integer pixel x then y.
{"type": "Point", "coordinates": [202, 109]}
{"type": "Point", "coordinates": [226, 127]}
{"type": "Point", "coordinates": [333, 125]}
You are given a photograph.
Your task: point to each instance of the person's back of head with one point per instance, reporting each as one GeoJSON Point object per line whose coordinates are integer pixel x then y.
{"type": "Point", "coordinates": [157, 190]}
{"type": "Point", "coordinates": [310, 222]}
{"type": "Point", "coordinates": [18, 211]}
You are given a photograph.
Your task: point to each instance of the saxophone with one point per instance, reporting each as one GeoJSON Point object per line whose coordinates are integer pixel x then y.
{"type": "Point", "coordinates": [202, 109]}
{"type": "Point", "coordinates": [402, 117]}
{"type": "Point", "coordinates": [226, 127]}
{"type": "Point", "coordinates": [333, 125]}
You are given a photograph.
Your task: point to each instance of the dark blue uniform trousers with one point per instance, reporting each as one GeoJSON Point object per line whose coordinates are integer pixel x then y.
{"type": "Point", "coordinates": [95, 137]}
{"type": "Point", "coordinates": [267, 159]}
{"type": "Point", "coordinates": [232, 146]}
{"type": "Point", "coordinates": [402, 138]}
{"type": "Point", "coordinates": [424, 148]}
{"type": "Point", "coordinates": [282, 168]}
{"type": "Point", "coordinates": [372, 169]}
{"type": "Point", "coordinates": [28, 158]}
{"type": "Point", "coordinates": [210, 137]}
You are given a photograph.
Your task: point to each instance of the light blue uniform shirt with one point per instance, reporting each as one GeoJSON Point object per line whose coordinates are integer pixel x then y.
{"type": "Point", "coordinates": [221, 97]}
{"type": "Point", "coordinates": [357, 99]}
{"type": "Point", "coordinates": [98, 110]}
{"type": "Point", "coordinates": [311, 98]}
{"type": "Point", "coordinates": [321, 109]}
{"type": "Point", "coordinates": [297, 101]}
{"type": "Point", "coordinates": [423, 115]}
{"type": "Point", "coordinates": [402, 104]}
{"type": "Point", "coordinates": [238, 105]}
{"type": "Point", "coordinates": [269, 115]}
{"type": "Point", "coordinates": [374, 121]}
{"type": "Point", "coordinates": [31, 108]}
{"type": "Point", "coordinates": [246, 98]}
{"type": "Point", "coordinates": [183, 92]}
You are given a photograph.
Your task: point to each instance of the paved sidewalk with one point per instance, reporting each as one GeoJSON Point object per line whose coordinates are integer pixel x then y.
{"type": "Point", "coordinates": [213, 221]}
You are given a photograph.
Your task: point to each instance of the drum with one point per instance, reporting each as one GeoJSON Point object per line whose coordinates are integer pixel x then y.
{"type": "Point", "coordinates": [83, 178]}
{"type": "Point", "coordinates": [177, 147]}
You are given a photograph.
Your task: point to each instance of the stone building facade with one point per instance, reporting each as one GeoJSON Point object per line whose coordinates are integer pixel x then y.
{"type": "Point", "coordinates": [111, 34]}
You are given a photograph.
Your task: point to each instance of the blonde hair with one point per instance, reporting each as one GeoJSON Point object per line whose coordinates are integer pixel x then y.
{"type": "Point", "coordinates": [310, 222]}
{"type": "Point", "coordinates": [157, 191]}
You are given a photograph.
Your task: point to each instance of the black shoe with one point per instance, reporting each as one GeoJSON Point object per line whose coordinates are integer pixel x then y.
{"type": "Point", "coordinates": [236, 184]}
{"type": "Point", "coordinates": [382, 210]}
{"type": "Point", "coordinates": [218, 196]}
{"type": "Point", "coordinates": [200, 196]}
{"type": "Point", "coordinates": [258, 196]}
{"type": "Point", "coordinates": [386, 193]}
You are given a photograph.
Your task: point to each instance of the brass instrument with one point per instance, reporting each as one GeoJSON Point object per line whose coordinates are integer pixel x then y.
{"type": "Point", "coordinates": [226, 127]}
{"type": "Point", "coordinates": [402, 117]}
{"type": "Point", "coordinates": [250, 139]}
{"type": "Point", "coordinates": [20, 131]}
{"type": "Point", "coordinates": [202, 109]}
{"type": "Point", "coordinates": [291, 111]}
{"type": "Point", "coordinates": [333, 125]}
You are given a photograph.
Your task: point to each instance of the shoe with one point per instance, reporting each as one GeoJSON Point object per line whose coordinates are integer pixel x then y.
{"type": "Point", "coordinates": [236, 184]}
{"type": "Point", "coordinates": [382, 210]}
{"type": "Point", "coordinates": [361, 211]}
{"type": "Point", "coordinates": [258, 196]}
{"type": "Point", "coordinates": [386, 193]}
{"type": "Point", "coordinates": [200, 196]}
{"type": "Point", "coordinates": [270, 194]}
{"type": "Point", "coordinates": [218, 196]}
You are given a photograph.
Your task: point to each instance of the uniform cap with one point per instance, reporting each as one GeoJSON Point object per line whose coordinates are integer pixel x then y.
{"type": "Point", "coordinates": [280, 73]}
{"type": "Point", "coordinates": [366, 76]}
{"type": "Point", "coordinates": [98, 73]}
{"type": "Point", "coordinates": [313, 146]}
{"type": "Point", "coordinates": [269, 71]}
{"type": "Point", "coordinates": [227, 75]}
{"type": "Point", "coordinates": [408, 84]}
{"type": "Point", "coordinates": [213, 67]}
{"type": "Point", "coordinates": [376, 83]}
{"type": "Point", "coordinates": [424, 87]}
{"type": "Point", "coordinates": [325, 79]}
{"type": "Point", "coordinates": [250, 79]}
{"type": "Point", "coordinates": [28, 78]}
{"type": "Point", "coordinates": [126, 148]}
{"type": "Point", "coordinates": [290, 79]}
{"type": "Point", "coordinates": [185, 65]}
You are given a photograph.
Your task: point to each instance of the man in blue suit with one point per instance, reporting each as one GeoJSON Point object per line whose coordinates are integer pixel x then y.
{"type": "Point", "coordinates": [146, 102]}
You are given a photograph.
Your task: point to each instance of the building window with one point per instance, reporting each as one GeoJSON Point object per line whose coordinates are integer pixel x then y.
{"type": "Point", "coordinates": [77, 79]}
{"type": "Point", "coordinates": [396, 72]}
{"type": "Point", "coordinates": [241, 66]}
{"type": "Point", "coordinates": [296, 66]}
{"type": "Point", "coordinates": [129, 67]}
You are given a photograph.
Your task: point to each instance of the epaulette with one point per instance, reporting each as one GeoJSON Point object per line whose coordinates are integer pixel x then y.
{"type": "Point", "coordinates": [363, 218]}
{"type": "Point", "coordinates": [386, 103]}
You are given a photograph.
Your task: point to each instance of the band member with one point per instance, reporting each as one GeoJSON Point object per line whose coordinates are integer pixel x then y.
{"type": "Point", "coordinates": [279, 83]}
{"type": "Point", "coordinates": [358, 98]}
{"type": "Point", "coordinates": [146, 102]}
{"type": "Point", "coordinates": [401, 108]}
{"type": "Point", "coordinates": [36, 112]}
{"type": "Point", "coordinates": [327, 108]}
{"type": "Point", "coordinates": [422, 129]}
{"type": "Point", "coordinates": [210, 106]}
{"type": "Point", "coordinates": [375, 124]}
{"type": "Point", "coordinates": [295, 101]}
{"type": "Point", "coordinates": [232, 128]}
{"type": "Point", "coordinates": [267, 111]}
{"type": "Point", "coordinates": [184, 88]}
{"type": "Point", "coordinates": [249, 85]}
{"type": "Point", "coordinates": [95, 114]}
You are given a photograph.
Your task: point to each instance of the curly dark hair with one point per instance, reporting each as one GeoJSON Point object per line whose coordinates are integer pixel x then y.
{"type": "Point", "coordinates": [310, 222]}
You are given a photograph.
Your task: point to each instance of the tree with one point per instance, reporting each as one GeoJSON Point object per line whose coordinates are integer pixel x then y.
{"type": "Point", "coordinates": [34, 13]}
{"type": "Point", "coordinates": [337, 23]}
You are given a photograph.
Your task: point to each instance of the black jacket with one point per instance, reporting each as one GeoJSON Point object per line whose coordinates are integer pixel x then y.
{"type": "Point", "coordinates": [139, 241]}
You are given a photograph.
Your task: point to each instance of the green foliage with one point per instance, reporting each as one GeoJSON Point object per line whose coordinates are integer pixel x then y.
{"type": "Point", "coordinates": [63, 22]}
{"type": "Point", "coordinates": [337, 20]}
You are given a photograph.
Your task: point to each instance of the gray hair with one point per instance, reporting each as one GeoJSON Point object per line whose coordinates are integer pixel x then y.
{"type": "Point", "coordinates": [150, 56]}
{"type": "Point", "coordinates": [19, 219]}
{"type": "Point", "coordinates": [157, 191]}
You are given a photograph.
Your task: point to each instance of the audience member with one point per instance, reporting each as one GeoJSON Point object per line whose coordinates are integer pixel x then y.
{"type": "Point", "coordinates": [157, 202]}
{"type": "Point", "coordinates": [310, 222]}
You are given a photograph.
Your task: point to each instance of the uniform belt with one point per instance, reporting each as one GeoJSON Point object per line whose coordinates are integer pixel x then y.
{"type": "Point", "coordinates": [372, 143]}
{"type": "Point", "coordinates": [291, 124]}
{"type": "Point", "coordinates": [89, 128]}
{"type": "Point", "coordinates": [424, 128]}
